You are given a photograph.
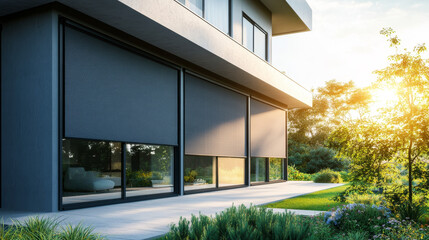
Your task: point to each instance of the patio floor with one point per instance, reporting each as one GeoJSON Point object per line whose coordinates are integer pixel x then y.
{"type": "Point", "coordinates": [148, 219]}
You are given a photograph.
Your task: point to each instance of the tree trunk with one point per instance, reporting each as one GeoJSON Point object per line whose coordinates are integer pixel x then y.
{"type": "Point", "coordinates": [410, 175]}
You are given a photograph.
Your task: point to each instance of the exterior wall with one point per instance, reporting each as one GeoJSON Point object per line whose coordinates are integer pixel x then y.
{"type": "Point", "coordinates": [30, 93]}
{"type": "Point", "coordinates": [258, 13]}
{"type": "Point", "coordinates": [29, 97]}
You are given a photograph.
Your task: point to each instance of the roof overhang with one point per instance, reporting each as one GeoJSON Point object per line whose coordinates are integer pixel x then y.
{"type": "Point", "coordinates": [170, 26]}
{"type": "Point", "coordinates": [289, 16]}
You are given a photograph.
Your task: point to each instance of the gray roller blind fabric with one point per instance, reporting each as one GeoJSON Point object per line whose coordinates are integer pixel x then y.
{"type": "Point", "coordinates": [215, 119]}
{"type": "Point", "coordinates": [267, 130]}
{"type": "Point", "coordinates": [114, 94]}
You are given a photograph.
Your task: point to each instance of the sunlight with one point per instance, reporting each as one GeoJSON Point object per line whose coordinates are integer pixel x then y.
{"type": "Point", "coordinates": [382, 98]}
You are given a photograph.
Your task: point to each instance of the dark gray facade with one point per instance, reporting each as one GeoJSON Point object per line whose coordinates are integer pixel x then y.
{"type": "Point", "coordinates": [29, 125]}
{"type": "Point", "coordinates": [84, 99]}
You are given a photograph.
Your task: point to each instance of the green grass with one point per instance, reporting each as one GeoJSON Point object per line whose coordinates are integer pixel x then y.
{"type": "Point", "coordinates": [318, 201]}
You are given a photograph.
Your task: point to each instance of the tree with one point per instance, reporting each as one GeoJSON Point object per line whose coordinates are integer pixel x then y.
{"type": "Point", "coordinates": [333, 104]}
{"type": "Point", "coordinates": [408, 74]}
{"type": "Point", "coordinates": [370, 146]}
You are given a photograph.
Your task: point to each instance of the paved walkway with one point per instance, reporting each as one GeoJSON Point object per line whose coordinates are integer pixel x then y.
{"type": "Point", "coordinates": [298, 211]}
{"type": "Point", "coordinates": [147, 219]}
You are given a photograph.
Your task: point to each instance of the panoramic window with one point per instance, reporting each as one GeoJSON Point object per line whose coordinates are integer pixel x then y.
{"type": "Point", "coordinates": [200, 172]}
{"type": "Point", "coordinates": [254, 38]}
{"type": "Point", "coordinates": [231, 171]}
{"type": "Point", "coordinates": [91, 170]}
{"type": "Point", "coordinates": [149, 169]}
{"type": "Point", "coordinates": [204, 172]}
{"type": "Point", "coordinates": [215, 12]}
{"type": "Point", "coordinates": [276, 168]}
{"type": "Point", "coordinates": [258, 170]}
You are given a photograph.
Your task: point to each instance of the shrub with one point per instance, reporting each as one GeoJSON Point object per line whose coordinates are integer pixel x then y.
{"type": "Point", "coordinates": [327, 176]}
{"type": "Point", "coordinates": [295, 175]}
{"type": "Point", "coordinates": [242, 223]}
{"type": "Point", "coordinates": [353, 217]}
{"type": "Point", "coordinates": [396, 196]}
{"type": "Point", "coordinates": [346, 176]}
{"type": "Point", "coordinates": [368, 199]}
{"type": "Point", "coordinates": [46, 229]}
{"type": "Point", "coordinates": [309, 159]}
{"type": "Point", "coordinates": [406, 230]}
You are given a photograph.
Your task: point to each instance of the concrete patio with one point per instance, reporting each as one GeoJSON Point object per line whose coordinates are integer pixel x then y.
{"type": "Point", "coordinates": [148, 219]}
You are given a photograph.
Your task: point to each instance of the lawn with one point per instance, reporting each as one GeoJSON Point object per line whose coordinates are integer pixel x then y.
{"type": "Point", "coordinates": [318, 201]}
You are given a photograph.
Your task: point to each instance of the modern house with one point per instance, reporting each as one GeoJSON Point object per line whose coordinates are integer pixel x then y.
{"type": "Point", "coordinates": [113, 101]}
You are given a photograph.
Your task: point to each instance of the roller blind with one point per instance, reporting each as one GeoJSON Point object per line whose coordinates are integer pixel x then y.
{"type": "Point", "coordinates": [114, 94]}
{"type": "Point", "coordinates": [267, 130]}
{"type": "Point", "coordinates": [215, 119]}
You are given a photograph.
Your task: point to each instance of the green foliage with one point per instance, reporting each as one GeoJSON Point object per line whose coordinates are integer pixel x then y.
{"type": "Point", "coordinates": [242, 223]}
{"type": "Point", "coordinates": [353, 188]}
{"type": "Point", "coordinates": [138, 178]}
{"type": "Point", "coordinates": [312, 159]}
{"type": "Point", "coordinates": [353, 217]}
{"type": "Point", "coordinates": [190, 175]}
{"type": "Point", "coordinates": [156, 176]}
{"type": "Point", "coordinates": [408, 117]}
{"type": "Point", "coordinates": [295, 175]}
{"type": "Point", "coordinates": [327, 176]}
{"type": "Point", "coordinates": [333, 104]}
{"type": "Point", "coordinates": [367, 199]}
{"type": "Point", "coordinates": [78, 232]}
{"type": "Point", "coordinates": [396, 196]}
{"type": "Point", "coordinates": [404, 230]}
{"type": "Point", "coordinates": [346, 176]}
{"type": "Point", "coordinates": [36, 228]}
{"type": "Point", "coordinates": [356, 235]}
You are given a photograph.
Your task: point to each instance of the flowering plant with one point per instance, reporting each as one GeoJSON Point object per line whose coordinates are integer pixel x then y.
{"type": "Point", "coordinates": [355, 216]}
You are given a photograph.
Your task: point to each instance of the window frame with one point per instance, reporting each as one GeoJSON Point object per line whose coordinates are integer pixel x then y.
{"type": "Point", "coordinates": [229, 33]}
{"type": "Point", "coordinates": [283, 169]}
{"type": "Point", "coordinates": [63, 23]}
{"type": "Point", "coordinates": [217, 187]}
{"type": "Point", "coordinates": [255, 25]}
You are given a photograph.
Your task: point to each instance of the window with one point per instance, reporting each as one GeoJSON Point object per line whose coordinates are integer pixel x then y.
{"type": "Point", "coordinates": [254, 38]}
{"type": "Point", "coordinates": [276, 168]}
{"type": "Point", "coordinates": [149, 169]}
{"type": "Point", "coordinates": [231, 171]}
{"type": "Point", "coordinates": [266, 169]}
{"type": "Point", "coordinates": [258, 170]}
{"type": "Point", "coordinates": [92, 170]}
{"type": "Point", "coordinates": [200, 172]}
{"type": "Point", "coordinates": [206, 172]}
{"type": "Point", "coordinates": [215, 12]}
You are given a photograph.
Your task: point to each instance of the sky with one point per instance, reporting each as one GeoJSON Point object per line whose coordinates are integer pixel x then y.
{"type": "Point", "coordinates": [345, 43]}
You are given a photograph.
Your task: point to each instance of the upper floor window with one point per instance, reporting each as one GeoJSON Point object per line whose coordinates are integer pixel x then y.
{"type": "Point", "coordinates": [254, 38]}
{"type": "Point", "coordinates": [215, 12]}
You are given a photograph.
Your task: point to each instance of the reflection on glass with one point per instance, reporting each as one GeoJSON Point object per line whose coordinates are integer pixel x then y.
{"type": "Point", "coordinates": [231, 171]}
{"type": "Point", "coordinates": [247, 34]}
{"type": "Point", "coordinates": [195, 6]}
{"type": "Point", "coordinates": [91, 170]}
{"type": "Point", "coordinates": [200, 172]}
{"type": "Point", "coordinates": [217, 13]}
{"type": "Point", "coordinates": [149, 169]}
{"type": "Point", "coordinates": [260, 43]}
{"type": "Point", "coordinates": [276, 168]}
{"type": "Point", "coordinates": [257, 169]}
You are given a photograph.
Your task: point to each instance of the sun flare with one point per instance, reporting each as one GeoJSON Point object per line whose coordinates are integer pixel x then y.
{"type": "Point", "coordinates": [382, 98]}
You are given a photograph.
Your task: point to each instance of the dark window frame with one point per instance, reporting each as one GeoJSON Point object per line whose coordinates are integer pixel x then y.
{"type": "Point", "coordinates": [217, 188]}
{"type": "Point", "coordinates": [63, 23]}
{"type": "Point", "coordinates": [255, 25]}
{"type": "Point", "coordinates": [283, 177]}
